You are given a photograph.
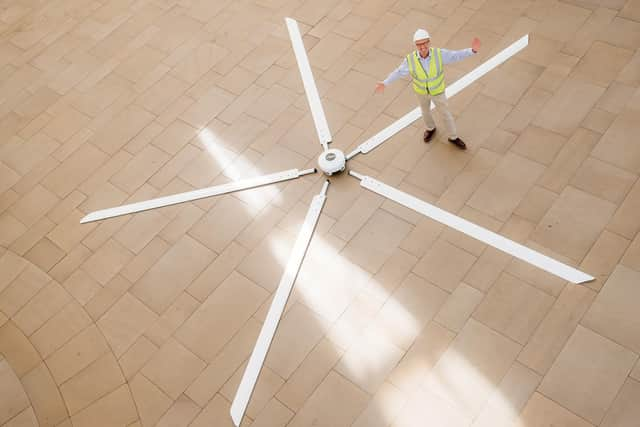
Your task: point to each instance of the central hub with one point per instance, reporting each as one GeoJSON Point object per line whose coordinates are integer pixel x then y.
{"type": "Point", "coordinates": [332, 161]}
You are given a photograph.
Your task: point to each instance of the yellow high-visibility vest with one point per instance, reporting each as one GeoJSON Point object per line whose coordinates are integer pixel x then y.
{"type": "Point", "coordinates": [427, 81]}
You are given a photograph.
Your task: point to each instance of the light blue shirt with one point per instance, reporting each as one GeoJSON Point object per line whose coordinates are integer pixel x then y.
{"type": "Point", "coordinates": [448, 56]}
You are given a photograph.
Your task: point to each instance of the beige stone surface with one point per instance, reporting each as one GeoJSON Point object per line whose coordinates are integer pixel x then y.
{"type": "Point", "coordinates": [505, 188]}
{"type": "Point", "coordinates": [335, 402]}
{"type": "Point", "coordinates": [14, 400]}
{"type": "Point", "coordinates": [624, 411]}
{"type": "Point", "coordinates": [101, 413]}
{"type": "Point", "coordinates": [538, 144]}
{"type": "Point", "coordinates": [444, 265]}
{"type": "Point", "coordinates": [621, 324]}
{"type": "Point", "coordinates": [574, 210]}
{"type": "Point", "coordinates": [513, 308]}
{"type": "Point", "coordinates": [471, 368]}
{"type": "Point", "coordinates": [556, 328]}
{"type": "Point", "coordinates": [568, 106]}
{"type": "Point", "coordinates": [515, 389]}
{"type": "Point", "coordinates": [379, 237]}
{"type": "Point", "coordinates": [541, 411]}
{"type": "Point", "coordinates": [595, 379]}
{"type": "Point", "coordinates": [163, 282]}
{"type": "Point", "coordinates": [423, 355]}
{"type": "Point", "coordinates": [45, 396]}
{"type": "Point", "coordinates": [603, 180]}
{"type": "Point", "coordinates": [604, 255]}
{"type": "Point", "coordinates": [123, 323]}
{"type": "Point", "coordinates": [173, 368]}
{"type": "Point", "coordinates": [149, 319]}
{"type": "Point", "coordinates": [232, 303]}
{"type": "Point", "coordinates": [411, 306]}
{"type": "Point", "coordinates": [612, 147]}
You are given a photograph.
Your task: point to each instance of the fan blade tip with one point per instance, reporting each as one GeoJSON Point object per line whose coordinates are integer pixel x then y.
{"type": "Point", "coordinates": [235, 417]}
{"type": "Point", "coordinates": [585, 279]}
{"type": "Point", "coordinates": [88, 218]}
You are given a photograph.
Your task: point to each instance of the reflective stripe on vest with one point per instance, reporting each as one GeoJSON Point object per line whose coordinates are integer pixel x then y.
{"type": "Point", "coordinates": [424, 82]}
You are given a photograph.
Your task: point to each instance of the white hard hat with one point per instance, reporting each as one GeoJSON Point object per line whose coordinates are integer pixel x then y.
{"type": "Point", "coordinates": [420, 34]}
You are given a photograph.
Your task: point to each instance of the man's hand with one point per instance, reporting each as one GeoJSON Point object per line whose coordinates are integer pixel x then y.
{"type": "Point", "coordinates": [379, 87]}
{"type": "Point", "coordinates": [475, 44]}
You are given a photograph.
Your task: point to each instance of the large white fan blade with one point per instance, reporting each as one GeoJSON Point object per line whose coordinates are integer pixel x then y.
{"type": "Point", "coordinates": [195, 194]}
{"type": "Point", "coordinates": [486, 236]}
{"type": "Point", "coordinates": [454, 88]}
{"type": "Point", "coordinates": [251, 372]}
{"type": "Point", "coordinates": [309, 83]}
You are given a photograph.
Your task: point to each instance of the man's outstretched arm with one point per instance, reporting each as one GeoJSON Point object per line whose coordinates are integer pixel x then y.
{"type": "Point", "coordinates": [401, 71]}
{"type": "Point", "coordinates": [449, 56]}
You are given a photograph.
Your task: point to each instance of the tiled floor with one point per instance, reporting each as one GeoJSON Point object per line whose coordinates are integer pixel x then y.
{"type": "Point", "coordinates": [395, 321]}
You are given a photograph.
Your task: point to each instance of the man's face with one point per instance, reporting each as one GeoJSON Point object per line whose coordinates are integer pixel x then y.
{"type": "Point", "coordinates": [423, 47]}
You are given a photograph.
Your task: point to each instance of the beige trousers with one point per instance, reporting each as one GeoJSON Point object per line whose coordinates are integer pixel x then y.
{"type": "Point", "coordinates": [442, 106]}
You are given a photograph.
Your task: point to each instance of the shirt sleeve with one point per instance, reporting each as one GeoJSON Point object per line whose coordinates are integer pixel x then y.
{"type": "Point", "coordinates": [401, 71]}
{"type": "Point", "coordinates": [449, 56]}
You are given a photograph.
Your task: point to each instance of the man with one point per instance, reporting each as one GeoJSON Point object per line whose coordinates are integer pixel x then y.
{"type": "Point", "coordinates": [425, 65]}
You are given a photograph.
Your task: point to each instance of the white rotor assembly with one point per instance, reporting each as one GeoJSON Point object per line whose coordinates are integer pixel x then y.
{"type": "Point", "coordinates": [332, 161]}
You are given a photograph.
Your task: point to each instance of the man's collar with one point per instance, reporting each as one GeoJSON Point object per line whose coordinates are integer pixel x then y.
{"type": "Point", "coordinates": [428, 53]}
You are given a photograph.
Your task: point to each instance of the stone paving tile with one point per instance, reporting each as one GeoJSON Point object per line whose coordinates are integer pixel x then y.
{"type": "Point", "coordinates": [26, 418]}
{"type": "Point", "coordinates": [380, 236]}
{"type": "Point", "coordinates": [623, 411]}
{"type": "Point", "coordinates": [420, 359]}
{"type": "Point", "coordinates": [471, 368]}
{"type": "Point", "coordinates": [162, 283]}
{"type": "Point", "coordinates": [58, 330]}
{"type": "Point", "coordinates": [445, 265]}
{"type": "Point", "coordinates": [603, 180]}
{"type": "Point", "coordinates": [45, 396]}
{"type": "Point", "coordinates": [121, 129]}
{"type": "Point", "coordinates": [77, 354]}
{"type": "Point", "coordinates": [427, 405]}
{"type": "Point", "coordinates": [266, 387]}
{"type": "Point", "coordinates": [116, 408]}
{"type": "Point", "coordinates": [75, 169]}
{"type": "Point", "coordinates": [614, 146]}
{"type": "Point", "coordinates": [100, 378]}
{"type": "Point", "coordinates": [14, 400]}
{"type": "Point", "coordinates": [568, 106]}
{"type": "Point", "coordinates": [517, 386]}
{"type": "Point", "coordinates": [621, 323]}
{"type": "Point", "coordinates": [235, 300]}
{"type": "Point", "coordinates": [513, 308]}
{"type": "Point", "coordinates": [538, 144]}
{"type": "Point", "coordinates": [42, 307]}
{"type": "Point", "coordinates": [301, 326]}
{"type": "Point", "coordinates": [331, 408]}
{"type": "Point", "coordinates": [604, 256]}
{"type": "Point", "coordinates": [150, 401]}
{"type": "Point", "coordinates": [173, 368]}
{"type": "Point", "coordinates": [596, 379]}
{"type": "Point", "coordinates": [541, 411]}
{"type": "Point", "coordinates": [125, 322]}
{"type": "Point", "coordinates": [19, 291]}
{"type": "Point", "coordinates": [569, 160]}
{"type": "Point", "coordinates": [501, 192]}
{"type": "Point", "coordinates": [574, 208]}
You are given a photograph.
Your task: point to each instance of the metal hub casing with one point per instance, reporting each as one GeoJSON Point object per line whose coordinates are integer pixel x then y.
{"type": "Point", "coordinates": [332, 161]}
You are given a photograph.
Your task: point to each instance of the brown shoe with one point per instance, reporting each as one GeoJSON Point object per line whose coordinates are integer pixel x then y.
{"type": "Point", "coordinates": [428, 134]}
{"type": "Point", "coordinates": [458, 143]}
